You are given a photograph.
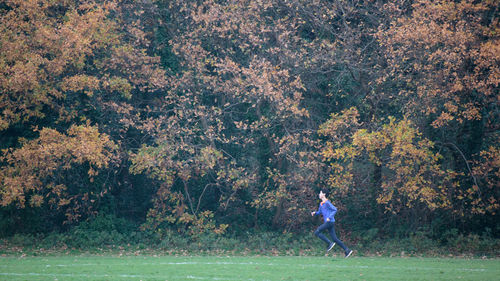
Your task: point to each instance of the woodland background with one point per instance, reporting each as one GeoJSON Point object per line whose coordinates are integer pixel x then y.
{"type": "Point", "coordinates": [219, 118]}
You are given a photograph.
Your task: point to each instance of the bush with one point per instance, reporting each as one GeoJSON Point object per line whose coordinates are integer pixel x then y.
{"type": "Point", "coordinates": [94, 239]}
{"type": "Point", "coordinates": [53, 240]}
{"type": "Point", "coordinates": [20, 240]}
{"type": "Point", "coordinates": [473, 243]}
{"type": "Point", "coordinates": [108, 223]}
{"type": "Point", "coordinates": [91, 237]}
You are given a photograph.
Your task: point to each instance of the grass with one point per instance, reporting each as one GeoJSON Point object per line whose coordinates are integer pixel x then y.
{"type": "Point", "coordinates": [245, 268]}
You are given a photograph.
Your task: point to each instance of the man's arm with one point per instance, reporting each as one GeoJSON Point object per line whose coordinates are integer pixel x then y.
{"type": "Point", "coordinates": [315, 213]}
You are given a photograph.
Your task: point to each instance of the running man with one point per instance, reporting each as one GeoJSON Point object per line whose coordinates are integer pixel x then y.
{"type": "Point", "coordinates": [328, 211]}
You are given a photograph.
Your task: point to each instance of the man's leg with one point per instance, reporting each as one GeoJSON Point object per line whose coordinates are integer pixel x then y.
{"type": "Point", "coordinates": [320, 235]}
{"type": "Point", "coordinates": [331, 229]}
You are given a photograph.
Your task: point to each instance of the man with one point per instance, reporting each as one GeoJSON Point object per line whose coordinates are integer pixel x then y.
{"type": "Point", "coordinates": [328, 211]}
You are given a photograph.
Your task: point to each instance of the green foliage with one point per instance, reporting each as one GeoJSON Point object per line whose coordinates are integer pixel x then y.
{"type": "Point", "coordinates": [367, 243]}
{"type": "Point", "coordinates": [106, 223]}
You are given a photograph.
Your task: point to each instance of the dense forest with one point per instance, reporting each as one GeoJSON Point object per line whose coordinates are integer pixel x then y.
{"type": "Point", "coordinates": [220, 116]}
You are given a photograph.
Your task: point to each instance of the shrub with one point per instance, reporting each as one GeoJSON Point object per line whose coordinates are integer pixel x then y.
{"type": "Point", "coordinates": [23, 240]}
{"type": "Point", "coordinates": [107, 222]}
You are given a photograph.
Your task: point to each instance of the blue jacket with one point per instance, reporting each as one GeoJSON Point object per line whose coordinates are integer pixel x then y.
{"type": "Point", "coordinates": [327, 210]}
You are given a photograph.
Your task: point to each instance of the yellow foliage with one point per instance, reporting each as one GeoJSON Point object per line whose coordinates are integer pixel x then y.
{"type": "Point", "coordinates": [411, 166]}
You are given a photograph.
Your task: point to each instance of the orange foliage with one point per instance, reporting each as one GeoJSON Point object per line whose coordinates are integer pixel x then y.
{"type": "Point", "coordinates": [34, 172]}
{"type": "Point", "coordinates": [38, 51]}
{"type": "Point", "coordinates": [49, 49]}
{"type": "Point", "coordinates": [236, 89]}
{"type": "Point", "coordinates": [60, 60]}
{"type": "Point", "coordinates": [447, 54]}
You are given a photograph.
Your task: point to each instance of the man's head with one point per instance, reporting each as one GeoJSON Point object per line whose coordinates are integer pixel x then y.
{"type": "Point", "coordinates": [324, 193]}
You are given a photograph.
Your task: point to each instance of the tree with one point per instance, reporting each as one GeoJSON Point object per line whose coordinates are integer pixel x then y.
{"type": "Point", "coordinates": [71, 68]}
{"type": "Point", "coordinates": [444, 55]}
{"type": "Point", "coordinates": [38, 173]}
{"type": "Point", "coordinates": [411, 175]}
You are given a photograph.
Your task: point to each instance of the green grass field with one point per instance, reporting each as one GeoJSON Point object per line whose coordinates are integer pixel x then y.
{"type": "Point", "coordinates": [245, 268]}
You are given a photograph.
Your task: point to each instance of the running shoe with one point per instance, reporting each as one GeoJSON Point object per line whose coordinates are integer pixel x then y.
{"type": "Point", "coordinates": [348, 254]}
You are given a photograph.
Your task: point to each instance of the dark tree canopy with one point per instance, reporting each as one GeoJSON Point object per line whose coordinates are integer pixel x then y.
{"type": "Point", "coordinates": [215, 116]}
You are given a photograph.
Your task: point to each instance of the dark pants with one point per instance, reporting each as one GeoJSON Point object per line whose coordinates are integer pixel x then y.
{"type": "Point", "coordinates": [330, 226]}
